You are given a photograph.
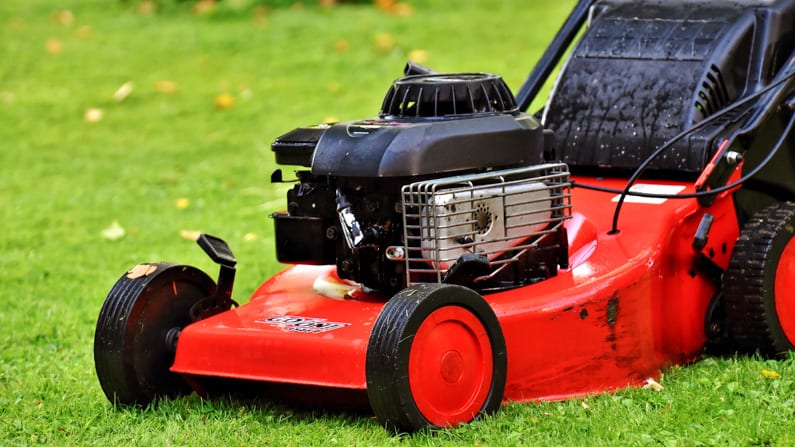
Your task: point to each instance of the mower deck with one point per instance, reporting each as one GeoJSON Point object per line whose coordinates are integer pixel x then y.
{"type": "Point", "coordinates": [626, 307]}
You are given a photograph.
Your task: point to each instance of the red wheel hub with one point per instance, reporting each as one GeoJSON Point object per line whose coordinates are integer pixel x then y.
{"type": "Point", "coordinates": [450, 366]}
{"type": "Point", "coordinates": [785, 291]}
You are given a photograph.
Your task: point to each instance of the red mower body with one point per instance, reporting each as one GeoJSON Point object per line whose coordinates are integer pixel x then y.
{"type": "Point", "coordinates": [456, 252]}
{"type": "Point", "coordinates": [629, 305]}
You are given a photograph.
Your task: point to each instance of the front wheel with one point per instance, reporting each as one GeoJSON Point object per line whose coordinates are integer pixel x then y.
{"type": "Point", "coordinates": [137, 330]}
{"type": "Point", "coordinates": [436, 358]}
{"type": "Point", "coordinates": [759, 285]}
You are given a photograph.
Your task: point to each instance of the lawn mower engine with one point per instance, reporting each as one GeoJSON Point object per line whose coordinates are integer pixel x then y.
{"type": "Point", "coordinates": [449, 184]}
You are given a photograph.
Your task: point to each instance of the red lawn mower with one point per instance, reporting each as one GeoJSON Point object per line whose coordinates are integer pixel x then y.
{"type": "Point", "coordinates": [455, 252]}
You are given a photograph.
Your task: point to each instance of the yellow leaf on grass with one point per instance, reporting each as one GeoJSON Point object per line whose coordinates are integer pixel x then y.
{"type": "Point", "coordinates": [93, 115]}
{"type": "Point", "coordinates": [653, 385]}
{"type": "Point", "coordinates": [123, 92]}
{"type": "Point", "coordinates": [190, 235]}
{"type": "Point", "coordinates": [182, 203]}
{"type": "Point", "coordinates": [166, 86]}
{"type": "Point", "coordinates": [84, 32]}
{"type": "Point", "coordinates": [204, 7]}
{"type": "Point", "coordinates": [384, 42]}
{"type": "Point", "coordinates": [330, 120]}
{"type": "Point", "coordinates": [146, 8]}
{"type": "Point", "coordinates": [341, 46]}
{"type": "Point", "coordinates": [418, 56]}
{"type": "Point", "coordinates": [54, 46]}
{"type": "Point", "coordinates": [224, 101]}
{"type": "Point", "coordinates": [769, 374]}
{"type": "Point", "coordinates": [64, 18]}
{"type": "Point", "coordinates": [401, 9]}
{"type": "Point", "coordinates": [114, 232]}
{"type": "Point", "coordinates": [250, 237]}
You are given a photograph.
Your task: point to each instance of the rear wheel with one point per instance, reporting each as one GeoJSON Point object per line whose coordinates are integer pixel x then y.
{"type": "Point", "coordinates": [436, 358]}
{"type": "Point", "coordinates": [759, 285]}
{"type": "Point", "coordinates": [137, 330]}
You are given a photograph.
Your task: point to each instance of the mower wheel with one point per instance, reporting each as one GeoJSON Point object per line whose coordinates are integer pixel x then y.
{"type": "Point", "coordinates": [759, 285]}
{"type": "Point", "coordinates": [137, 330]}
{"type": "Point", "coordinates": [436, 358]}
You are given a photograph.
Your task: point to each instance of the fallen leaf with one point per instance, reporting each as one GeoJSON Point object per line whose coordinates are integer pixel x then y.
{"type": "Point", "coordinates": [224, 101]}
{"type": "Point", "coordinates": [64, 18]}
{"type": "Point", "coordinates": [401, 9]}
{"type": "Point", "coordinates": [769, 374]}
{"type": "Point", "coordinates": [146, 8]}
{"type": "Point", "coordinates": [190, 235]}
{"type": "Point", "coordinates": [418, 56]}
{"type": "Point", "coordinates": [330, 120]}
{"type": "Point", "coordinates": [204, 7]}
{"type": "Point", "coordinates": [341, 46]}
{"type": "Point", "coordinates": [585, 405]}
{"type": "Point", "coordinates": [260, 15]}
{"type": "Point", "coordinates": [84, 32]}
{"type": "Point", "coordinates": [141, 270]}
{"type": "Point", "coordinates": [123, 92]}
{"type": "Point", "coordinates": [166, 86]}
{"type": "Point", "coordinates": [328, 3]}
{"type": "Point", "coordinates": [114, 232]}
{"type": "Point", "coordinates": [54, 46]}
{"type": "Point", "coordinates": [182, 203]}
{"type": "Point", "coordinates": [250, 237]}
{"type": "Point", "coordinates": [93, 115]}
{"type": "Point", "coordinates": [385, 5]}
{"type": "Point", "coordinates": [653, 385]}
{"type": "Point", "coordinates": [7, 97]}
{"type": "Point", "coordinates": [384, 42]}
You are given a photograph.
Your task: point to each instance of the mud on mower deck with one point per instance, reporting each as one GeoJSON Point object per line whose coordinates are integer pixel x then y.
{"type": "Point", "coordinates": [455, 252]}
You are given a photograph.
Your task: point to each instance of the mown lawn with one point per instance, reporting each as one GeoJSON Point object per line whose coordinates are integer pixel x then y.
{"type": "Point", "coordinates": [91, 184]}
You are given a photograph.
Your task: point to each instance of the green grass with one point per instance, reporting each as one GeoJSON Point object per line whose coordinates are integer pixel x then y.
{"type": "Point", "coordinates": [64, 180]}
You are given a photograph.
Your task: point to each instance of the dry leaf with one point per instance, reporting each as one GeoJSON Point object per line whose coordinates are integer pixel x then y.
{"type": "Point", "coordinates": [341, 46]}
{"type": "Point", "coordinates": [141, 270]}
{"type": "Point", "coordinates": [401, 9]}
{"type": "Point", "coordinates": [384, 42]}
{"type": "Point", "coordinates": [224, 101]}
{"type": "Point", "coordinates": [54, 46]}
{"type": "Point", "coordinates": [585, 405]}
{"type": "Point", "coordinates": [64, 18]}
{"type": "Point", "coordinates": [146, 8]}
{"type": "Point", "coordinates": [166, 86]}
{"type": "Point", "coordinates": [182, 203]}
{"type": "Point", "coordinates": [330, 120]}
{"type": "Point", "coordinates": [769, 374]}
{"type": "Point", "coordinates": [204, 7]}
{"type": "Point", "coordinates": [385, 5]}
{"type": "Point", "coordinates": [653, 385]}
{"type": "Point", "coordinates": [7, 97]}
{"type": "Point", "coordinates": [260, 15]}
{"type": "Point", "coordinates": [328, 3]}
{"type": "Point", "coordinates": [190, 235]}
{"type": "Point", "coordinates": [123, 91]}
{"type": "Point", "coordinates": [84, 32]}
{"type": "Point", "coordinates": [113, 232]}
{"type": "Point", "coordinates": [93, 115]}
{"type": "Point", "coordinates": [418, 56]}
{"type": "Point", "coordinates": [250, 237]}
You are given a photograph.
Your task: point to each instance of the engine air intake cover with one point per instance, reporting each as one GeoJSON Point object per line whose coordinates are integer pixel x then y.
{"type": "Point", "coordinates": [441, 95]}
{"type": "Point", "coordinates": [499, 216]}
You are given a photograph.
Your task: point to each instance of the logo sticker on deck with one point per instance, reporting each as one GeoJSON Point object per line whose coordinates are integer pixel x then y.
{"type": "Point", "coordinates": [304, 325]}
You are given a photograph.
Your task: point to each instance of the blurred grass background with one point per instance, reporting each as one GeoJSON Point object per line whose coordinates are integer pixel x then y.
{"type": "Point", "coordinates": [126, 126]}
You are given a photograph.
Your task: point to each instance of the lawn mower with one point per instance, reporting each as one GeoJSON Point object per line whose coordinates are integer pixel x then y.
{"type": "Point", "coordinates": [456, 252]}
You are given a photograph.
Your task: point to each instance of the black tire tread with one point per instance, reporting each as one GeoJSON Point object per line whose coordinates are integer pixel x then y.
{"type": "Point", "coordinates": [752, 321]}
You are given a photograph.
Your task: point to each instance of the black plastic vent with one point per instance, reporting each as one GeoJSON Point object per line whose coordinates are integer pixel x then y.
{"type": "Point", "coordinates": [712, 95]}
{"type": "Point", "coordinates": [442, 95]}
